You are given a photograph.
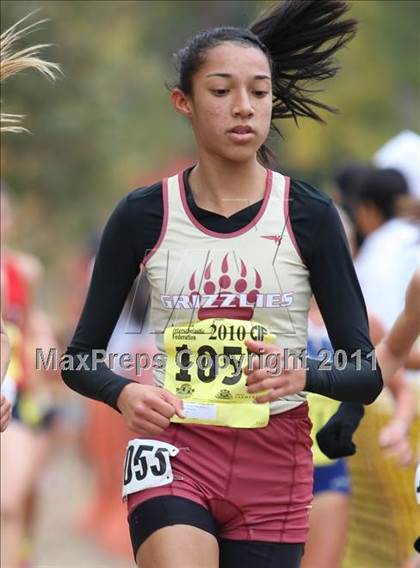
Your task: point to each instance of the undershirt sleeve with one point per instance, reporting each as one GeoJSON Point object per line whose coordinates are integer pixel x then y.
{"type": "Point", "coordinates": [336, 289]}
{"type": "Point", "coordinates": [116, 267]}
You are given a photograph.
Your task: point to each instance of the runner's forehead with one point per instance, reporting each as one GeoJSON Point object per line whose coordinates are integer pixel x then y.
{"type": "Point", "coordinates": [233, 60]}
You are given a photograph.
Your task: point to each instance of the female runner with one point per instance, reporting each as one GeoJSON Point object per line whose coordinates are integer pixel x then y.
{"type": "Point", "coordinates": [24, 447]}
{"type": "Point", "coordinates": [330, 511]}
{"type": "Point", "coordinates": [12, 63]}
{"type": "Point", "coordinates": [233, 252]}
{"type": "Point", "coordinates": [335, 438]}
{"type": "Point", "coordinates": [329, 516]}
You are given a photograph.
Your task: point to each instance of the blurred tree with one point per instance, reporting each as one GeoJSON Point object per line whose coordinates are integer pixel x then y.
{"type": "Point", "coordinates": [376, 92]}
{"type": "Point", "coordinates": [110, 117]}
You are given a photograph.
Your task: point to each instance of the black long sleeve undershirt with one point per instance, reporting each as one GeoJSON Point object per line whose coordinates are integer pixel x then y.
{"type": "Point", "coordinates": [134, 228]}
{"type": "Point", "coordinates": [342, 306]}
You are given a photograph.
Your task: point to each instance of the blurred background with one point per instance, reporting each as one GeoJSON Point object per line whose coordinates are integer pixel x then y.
{"type": "Point", "coordinates": [105, 127]}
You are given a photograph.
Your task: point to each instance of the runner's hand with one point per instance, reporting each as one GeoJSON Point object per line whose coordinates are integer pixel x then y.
{"type": "Point", "coordinates": [393, 438]}
{"type": "Point", "coordinates": [5, 413]}
{"type": "Point", "coordinates": [335, 438]}
{"type": "Point", "coordinates": [271, 376]}
{"type": "Point", "coordinates": [412, 298]}
{"type": "Point", "coordinates": [147, 409]}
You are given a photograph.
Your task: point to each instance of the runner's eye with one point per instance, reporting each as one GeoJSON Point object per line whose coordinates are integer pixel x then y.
{"type": "Point", "coordinates": [260, 94]}
{"type": "Point", "coordinates": [219, 92]}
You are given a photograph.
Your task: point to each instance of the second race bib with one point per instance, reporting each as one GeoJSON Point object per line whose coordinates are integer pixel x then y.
{"type": "Point", "coordinates": [147, 464]}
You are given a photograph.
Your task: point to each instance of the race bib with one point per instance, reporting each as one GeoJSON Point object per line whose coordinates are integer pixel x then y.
{"type": "Point", "coordinates": [205, 361]}
{"type": "Point", "coordinates": [147, 464]}
{"type": "Point", "coordinates": [15, 368]}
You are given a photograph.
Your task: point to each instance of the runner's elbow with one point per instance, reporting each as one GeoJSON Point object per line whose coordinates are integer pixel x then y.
{"type": "Point", "coordinates": [375, 387]}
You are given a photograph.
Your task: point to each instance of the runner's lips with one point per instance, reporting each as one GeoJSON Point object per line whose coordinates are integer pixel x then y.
{"type": "Point", "coordinates": [242, 130]}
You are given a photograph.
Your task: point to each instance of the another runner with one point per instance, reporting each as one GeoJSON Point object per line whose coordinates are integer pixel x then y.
{"type": "Point", "coordinates": [27, 389]}
{"type": "Point", "coordinates": [335, 438]}
{"type": "Point", "coordinates": [329, 518]}
{"type": "Point", "coordinates": [233, 252]}
{"type": "Point", "coordinates": [24, 445]}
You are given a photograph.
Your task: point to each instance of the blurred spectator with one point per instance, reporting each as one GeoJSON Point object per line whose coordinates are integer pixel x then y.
{"type": "Point", "coordinates": [391, 248]}
{"type": "Point", "coordinates": [347, 180]}
{"type": "Point", "coordinates": [402, 153]}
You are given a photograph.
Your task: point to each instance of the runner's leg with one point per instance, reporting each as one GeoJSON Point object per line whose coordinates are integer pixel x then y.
{"type": "Point", "coordinates": [170, 531]}
{"type": "Point", "coordinates": [328, 530]}
{"type": "Point", "coordinates": [179, 545]}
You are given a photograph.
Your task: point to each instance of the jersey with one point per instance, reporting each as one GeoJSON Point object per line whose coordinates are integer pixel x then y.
{"type": "Point", "coordinates": [255, 273]}
{"type": "Point", "coordinates": [307, 217]}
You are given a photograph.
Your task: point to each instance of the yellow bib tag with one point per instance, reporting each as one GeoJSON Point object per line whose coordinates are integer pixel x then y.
{"type": "Point", "coordinates": [15, 369]}
{"type": "Point", "coordinates": [204, 366]}
{"type": "Point", "coordinates": [321, 409]}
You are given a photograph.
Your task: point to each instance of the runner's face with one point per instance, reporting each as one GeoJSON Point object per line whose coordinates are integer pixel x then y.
{"type": "Point", "coordinates": [232, 89]}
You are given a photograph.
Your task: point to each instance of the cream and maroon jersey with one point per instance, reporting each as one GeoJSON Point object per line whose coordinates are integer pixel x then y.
{"type": "Point", "coordinates": [252, 267]}
{"type": "Point", "coordinates": [255, 273]}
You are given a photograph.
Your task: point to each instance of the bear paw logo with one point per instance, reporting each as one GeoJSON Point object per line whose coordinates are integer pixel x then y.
{"type": "Point", "coordinates": [229, 284]}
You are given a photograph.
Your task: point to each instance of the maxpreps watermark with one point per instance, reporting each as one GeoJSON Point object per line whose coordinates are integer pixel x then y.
{"type": "Point", "coordinates": [185, 360]}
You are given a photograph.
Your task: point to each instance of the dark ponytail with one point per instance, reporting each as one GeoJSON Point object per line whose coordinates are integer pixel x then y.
{"type": "Point", "coordinates": [299, 38]}
{"type": "Point", "coordinates": [302, 36]}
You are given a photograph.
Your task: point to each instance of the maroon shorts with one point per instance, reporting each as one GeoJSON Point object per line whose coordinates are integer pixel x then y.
{"type": "Point", "coordinates": [256, 483]}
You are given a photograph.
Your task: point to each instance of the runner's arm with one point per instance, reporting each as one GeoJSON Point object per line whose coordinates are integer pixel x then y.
{"type": "Point", "coordinates": [116, 267]}
{"type": "Point", "coordinates": [395, 347]}
{"type": "Point", "coordinates": [337, 292]}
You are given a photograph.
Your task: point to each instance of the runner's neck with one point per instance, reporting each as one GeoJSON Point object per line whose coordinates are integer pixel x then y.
{"type": "Point", "coordinates": [226, 191]}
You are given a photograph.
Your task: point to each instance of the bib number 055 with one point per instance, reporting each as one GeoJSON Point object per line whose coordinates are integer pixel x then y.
{"type": "Point", "coordinates": [147, 464]}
